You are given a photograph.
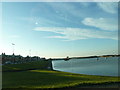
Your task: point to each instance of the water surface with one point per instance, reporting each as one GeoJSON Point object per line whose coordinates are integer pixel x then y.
{"type": "Point", "coordinates": [90, 66]}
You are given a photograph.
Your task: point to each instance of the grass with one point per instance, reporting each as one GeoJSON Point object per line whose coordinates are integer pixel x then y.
{"type": "Point", "coordinates": [25, 66]}
{"type": "Point", "coordinates": [50, 79]}
{"type": "Point", "coordinates": [47, 78]}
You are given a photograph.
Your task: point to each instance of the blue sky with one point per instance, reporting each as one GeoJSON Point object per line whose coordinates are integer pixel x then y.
{"type": "Point", "coordinates": [60, 29]}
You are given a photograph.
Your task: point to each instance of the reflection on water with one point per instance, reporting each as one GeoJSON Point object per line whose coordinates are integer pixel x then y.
{"type": "Point", "coordinates": [91, 66]}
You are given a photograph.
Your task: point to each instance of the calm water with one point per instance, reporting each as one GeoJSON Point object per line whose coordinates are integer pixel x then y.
{"type": "Point", "coordinates": [91, 66]}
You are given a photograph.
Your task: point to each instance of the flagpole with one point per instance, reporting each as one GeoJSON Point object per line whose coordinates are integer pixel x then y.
{"type": "Point", "coordinates": [13, 47]}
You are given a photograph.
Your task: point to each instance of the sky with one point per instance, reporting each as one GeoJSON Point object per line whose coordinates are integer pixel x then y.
{"type": "Point", "coordinates": [59, 29]}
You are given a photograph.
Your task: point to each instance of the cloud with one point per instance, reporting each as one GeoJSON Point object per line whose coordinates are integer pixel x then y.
{"type": "Point", "coordinates": [110, 7]}
{"type": "Point", "coordinates": [65, 14]}
{"type": "Point", "coordinates": [77, 33]}
{"type": "Point", "coordinates": [61, 12]}
{"type": "Point", "coordinates": [85, 4]}
{"type": "Point", "coordinates": [69, 9]}
{"type": "Point", "coordinates": [61, 0]}
{"type": "Point", "coordinates": [40, 21]}
{"type": "Point", "coordinates": [102, 23]}
{"type": "Point", "coordinates": [14, 36]}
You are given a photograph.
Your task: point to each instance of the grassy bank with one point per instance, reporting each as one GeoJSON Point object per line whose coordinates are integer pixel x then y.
{"type": "Point", "coordinates": [44, 78]}
{"type": "Point", "coordinates": [27, 66]}
{"type": "Point", "coordinates": [50, 79]}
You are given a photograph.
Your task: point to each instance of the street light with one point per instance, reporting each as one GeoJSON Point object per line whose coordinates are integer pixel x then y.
{"type": "Point", "coordinates": [13, 53]}
{"type": "Point", "coordinates": [13, 47]}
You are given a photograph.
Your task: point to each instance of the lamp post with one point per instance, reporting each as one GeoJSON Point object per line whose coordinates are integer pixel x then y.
{"type": "Point", "coordinates": [13, 47]}
{"type": "Point", "coordinates": [13, 53]}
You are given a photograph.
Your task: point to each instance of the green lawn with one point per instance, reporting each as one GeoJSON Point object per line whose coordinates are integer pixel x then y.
{"type": "Point", "coordinates": [25, 66]}
{"type": "Point", "coordinates": [50, 79]}
{"type": "Point", "coordinates": [46, 78]}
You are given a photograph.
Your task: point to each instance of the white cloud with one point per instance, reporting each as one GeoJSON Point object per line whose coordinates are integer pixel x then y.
{"type": "Point", "coordinates": [61, 14]}
{"type": "Point", "coordinates": [106, 0]}
{"type": "Point", "coordinates": [77, 33]}
{"type": "Point", "coordinates": [110, 7]}
{"type": "Point", "coordinates": [40, 21]}
{"type": "Point", "coordinates": [102, 23]}
{"type": "Point", "coordinates": [85, 4]}
{"type": "Point", "coordinates": [60, 1]}
{"type": "Point", "coordinates": [14, 36]}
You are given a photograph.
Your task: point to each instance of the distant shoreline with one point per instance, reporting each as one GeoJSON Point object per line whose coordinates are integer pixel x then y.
{"type": "Point", "coordinates": [85, 57]}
